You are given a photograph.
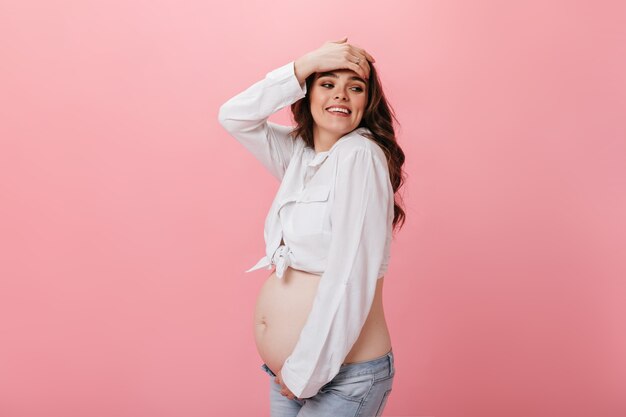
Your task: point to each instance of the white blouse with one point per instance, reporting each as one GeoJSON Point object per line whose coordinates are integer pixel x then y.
{"type": "Point", "coordinates": [333, 213]}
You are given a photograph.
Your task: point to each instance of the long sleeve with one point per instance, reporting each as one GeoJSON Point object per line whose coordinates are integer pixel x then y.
{"type": "Point", "coordinates": [245, 116]}
{"type": "Point", "coordinates": [361, 219]}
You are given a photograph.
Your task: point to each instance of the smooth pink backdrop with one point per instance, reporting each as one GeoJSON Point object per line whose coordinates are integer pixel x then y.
{"type": "Point", "coordinates": [128, 216]}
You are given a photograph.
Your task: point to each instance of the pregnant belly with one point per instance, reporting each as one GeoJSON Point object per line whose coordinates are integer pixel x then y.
{"type": "Point", "coordinates": [281, 311]}
{"type": "Point", "coordinates": [282, 308]}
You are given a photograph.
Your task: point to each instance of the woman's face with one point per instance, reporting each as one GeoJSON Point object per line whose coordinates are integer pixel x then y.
{"type": "Point", "coordinates": [343, 88]}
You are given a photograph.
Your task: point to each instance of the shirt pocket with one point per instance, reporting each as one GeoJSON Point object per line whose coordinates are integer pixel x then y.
{"type": "Point", "coordinates": [310, 210]}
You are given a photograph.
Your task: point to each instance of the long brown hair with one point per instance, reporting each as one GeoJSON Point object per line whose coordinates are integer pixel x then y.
{"type": "Point", "coordinates": [378, 118]}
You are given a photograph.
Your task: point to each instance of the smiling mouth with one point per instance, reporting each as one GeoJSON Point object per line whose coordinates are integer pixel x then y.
{"type": "Point", "coordinates": [345, 112]}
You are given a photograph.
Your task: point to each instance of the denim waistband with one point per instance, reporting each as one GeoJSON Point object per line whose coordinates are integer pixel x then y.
{"type": "Point", "coordinates": [381, 365]}
{"type": "Point", "coordinates": [267, 370]}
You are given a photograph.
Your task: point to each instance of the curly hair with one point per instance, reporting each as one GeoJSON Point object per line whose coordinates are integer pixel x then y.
{"type": "Point", "coordinates": [378, 118]}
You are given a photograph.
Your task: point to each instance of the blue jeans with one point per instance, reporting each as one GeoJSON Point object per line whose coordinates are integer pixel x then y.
{"type": "Point", "coordinates": [359, 389]}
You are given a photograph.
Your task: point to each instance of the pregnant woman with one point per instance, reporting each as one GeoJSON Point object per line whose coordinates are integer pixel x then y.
{"type": "Point", "coordinates": [319, 323]}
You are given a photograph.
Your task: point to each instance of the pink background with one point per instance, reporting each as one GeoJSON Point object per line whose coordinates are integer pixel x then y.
{"type": "Point", "coordinates": [128, 215]}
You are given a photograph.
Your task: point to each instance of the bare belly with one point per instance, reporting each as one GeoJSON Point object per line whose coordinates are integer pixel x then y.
{"type": "Point", "coordinates": [281, 311]}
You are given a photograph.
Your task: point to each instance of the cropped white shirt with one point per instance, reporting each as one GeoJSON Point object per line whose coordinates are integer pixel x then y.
{"type": "Point", "coordinates": [332, 216]}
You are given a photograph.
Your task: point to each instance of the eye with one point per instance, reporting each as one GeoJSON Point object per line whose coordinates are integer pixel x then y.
{"type": "Point", "coordinates": [358, 89]}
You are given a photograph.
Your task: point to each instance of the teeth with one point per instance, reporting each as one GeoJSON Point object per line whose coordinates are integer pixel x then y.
{"type": "Point", "coordinates": [339, 109]}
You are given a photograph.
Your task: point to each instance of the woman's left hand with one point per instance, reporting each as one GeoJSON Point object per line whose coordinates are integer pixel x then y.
{"type": "Point", "coordinates": [284, 391]}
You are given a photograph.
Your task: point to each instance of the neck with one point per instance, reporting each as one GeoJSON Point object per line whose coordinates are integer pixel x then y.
{"type": "Point", "coordinates": [323, 139]}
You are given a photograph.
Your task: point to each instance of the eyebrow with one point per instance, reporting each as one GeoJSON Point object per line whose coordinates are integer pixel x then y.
{"type": "Point", "coordinates": [332, 74]}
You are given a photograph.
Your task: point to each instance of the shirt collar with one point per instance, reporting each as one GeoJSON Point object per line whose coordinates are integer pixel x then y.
{"type": "Point", "coordinates": [318, 158]}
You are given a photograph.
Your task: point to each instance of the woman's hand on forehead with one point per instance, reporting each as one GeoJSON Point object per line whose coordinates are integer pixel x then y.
{"type": "Point", "coordinates": [334, 55]}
